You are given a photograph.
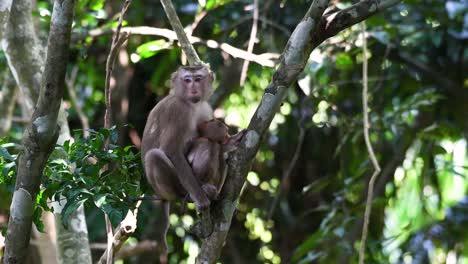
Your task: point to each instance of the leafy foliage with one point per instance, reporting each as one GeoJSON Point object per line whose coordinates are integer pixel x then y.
{"type": "Point", "coordinates": [417, 84]}
{"type": "Point", "coordinates": [7, 164]}
{"type": "Point", "coordinates": [85, 172]}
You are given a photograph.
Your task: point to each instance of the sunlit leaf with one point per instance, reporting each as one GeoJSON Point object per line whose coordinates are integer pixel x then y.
{"type": "Point", "coordinates": [151, 48]}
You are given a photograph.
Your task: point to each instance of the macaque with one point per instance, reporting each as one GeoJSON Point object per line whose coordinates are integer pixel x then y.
{"type": "Point", "coordinates": [170, 129]}
{"type": "Point", "coordinates": [207, 155]}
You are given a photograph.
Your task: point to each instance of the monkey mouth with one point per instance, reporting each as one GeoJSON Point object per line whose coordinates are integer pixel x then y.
{"type": "Point", "coordinates": [195, 99]}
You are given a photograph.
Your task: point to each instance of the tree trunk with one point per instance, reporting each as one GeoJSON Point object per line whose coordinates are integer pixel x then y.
{"type": "Point", "coordinates": [25, 59]}
{"type": "Point", "coordinates": [309, 33]}
{"type": "Point", "coordinates": [41, 134]}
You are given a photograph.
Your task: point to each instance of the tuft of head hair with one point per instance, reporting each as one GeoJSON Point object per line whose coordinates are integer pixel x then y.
{"type": "Point", "coordinates": [193, 68]}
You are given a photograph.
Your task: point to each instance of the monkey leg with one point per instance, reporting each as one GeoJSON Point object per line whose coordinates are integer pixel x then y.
{"type": "Point", "coordinates": [161, 174]}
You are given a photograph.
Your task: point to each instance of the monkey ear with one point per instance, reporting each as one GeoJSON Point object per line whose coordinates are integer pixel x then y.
{"type": "Point", "coordinates": [174, 75]}
{"type": "Point", "coordinates": [210, 72]}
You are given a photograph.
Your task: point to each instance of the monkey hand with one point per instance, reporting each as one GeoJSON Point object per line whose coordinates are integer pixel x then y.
{"type": "Point", "coordinates": [203, 204]}
{"type": "Point", "coordinates": [233, 141]}
{"type": "Point", "coordinates": [210, 191]}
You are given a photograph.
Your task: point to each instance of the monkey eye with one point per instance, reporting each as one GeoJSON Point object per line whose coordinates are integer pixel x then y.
{"type": "Point", "coordinates": [198, 78]}
{"type": "Point", "coordinates": [187, 79]}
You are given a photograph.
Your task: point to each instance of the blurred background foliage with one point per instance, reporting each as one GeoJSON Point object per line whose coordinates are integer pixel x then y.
{"type": "Point", "coordinates": [419, 126]}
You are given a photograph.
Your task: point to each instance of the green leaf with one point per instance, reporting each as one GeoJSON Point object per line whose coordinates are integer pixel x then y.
{"type": "Point", "coordinates": [115, 214]}
{"type": "Point", "coordinates": [344, 62]}
{"type": "Point", "coordinates": [210, 4]}
{"type": "Point", "coordinates": [151, 48]}
{"type": "Point", "coordinates": [5, 154]}
{"type": "Point", "coordinates": [114, 134]}
{"type": "Point", "coordinates": [37, 219]}
{"type": "Point", "coordinates": [317, 185]}
{"type": "Point", "coordinates": [8, 167]}
{"type": "Point", "coordinates": [96, 5]}
{"type": "Point", "coordinates": [307, 246]}
{"type": "Point", "coordinates": [70, 208]}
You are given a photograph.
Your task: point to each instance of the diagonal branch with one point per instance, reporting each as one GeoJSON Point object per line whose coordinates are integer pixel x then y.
{"type": "Point", "coordinates": [293, 61]}
{"type": "Point", "coordinates": [332, 24]}
{"type": "Point", "coordinates": [309, 33]}
{"type": "Point", "coordinates": [253, 36]}
{"type": "Point", "coordinates": [188, 49]}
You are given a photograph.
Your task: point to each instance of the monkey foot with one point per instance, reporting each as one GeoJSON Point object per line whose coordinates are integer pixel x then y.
{"type": "Point", "coordinates": [202, 229]}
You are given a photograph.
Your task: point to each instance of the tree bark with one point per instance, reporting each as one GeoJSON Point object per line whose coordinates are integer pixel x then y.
{"type": "Point", "coordinates": [25, 58]}
{"type": "Point", "coordinates": [23, 51]}
{"type": "Point", "coordinates": [5, 8]}
{"type": "Point", "coordinates": [7, 103]}
{"type": "Point", "coordinates": [309, 33]}
{"type": "Point", "coordinates": [41, 134]}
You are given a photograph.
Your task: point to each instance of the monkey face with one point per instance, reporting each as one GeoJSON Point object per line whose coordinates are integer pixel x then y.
{"type": "Point", "coordinates": [192, 84]}
{"type": "Point", "coordinates": [214, 130]}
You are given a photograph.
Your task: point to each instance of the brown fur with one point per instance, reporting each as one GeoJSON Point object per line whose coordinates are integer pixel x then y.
{"type": "Point", "coordinates": [170, 129]}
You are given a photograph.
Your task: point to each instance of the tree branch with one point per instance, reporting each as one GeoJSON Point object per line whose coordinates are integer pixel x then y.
{"type": "Point", "coordinates": [253, 36]}
{"type": "Point", "coordinates": [293, 61]}
{"type": "Point", "coordinates": [40, 135]}
{"type": "Point", "coordinates": [187, 47]}
{"type": "Point", "coordinates": [375, 164]}
{"type": "Point", "coordinates": [265, 59]}
{"type": "Point", "coordinates": [23, 51]}
{"type": "Point", "coordinates": [292, 164]}
{"type": "Point", "coordinates": [126, 228]}
{"type": "Point", "coordinates": [5, 7]}
{"type": "Point", "coordinates": [117, 41]}
{"type": "Point", "coordinates": [309, 33]}
{"type": "Point", "coordinates": [70, 83]}
{"type": "Point", "coordinates": [332, 24]}
{"type": "Point", "coordinates": [7, 102]}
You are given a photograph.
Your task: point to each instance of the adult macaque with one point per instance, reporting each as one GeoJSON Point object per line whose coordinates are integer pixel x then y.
{"type": "Point", "coordinates": [170, 129]}
{"type": "Point", "coordinates": [207, 155]}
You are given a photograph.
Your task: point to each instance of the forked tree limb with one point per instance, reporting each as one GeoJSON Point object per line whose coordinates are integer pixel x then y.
{"type": "Point", "coordinates": [309, 33]}
{"type": "Point", "coordinates": [294, 59]}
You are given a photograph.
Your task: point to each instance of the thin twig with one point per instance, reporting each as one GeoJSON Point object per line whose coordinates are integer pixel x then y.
{"type": "Point", "coordinates": [288, 172]}
{"type": "Point", "coordinates": [126, 228]}
{"type": "Point", "coordinates": [372, 156]}
{"type": "Point", "coordinates": [70, 83]}
{"type": "Point", "coordinates": [253, 36]}
{"type": "Point", "coordinates": [117, 42]}
{"type": "Point", "coordinates": [188, 49]}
